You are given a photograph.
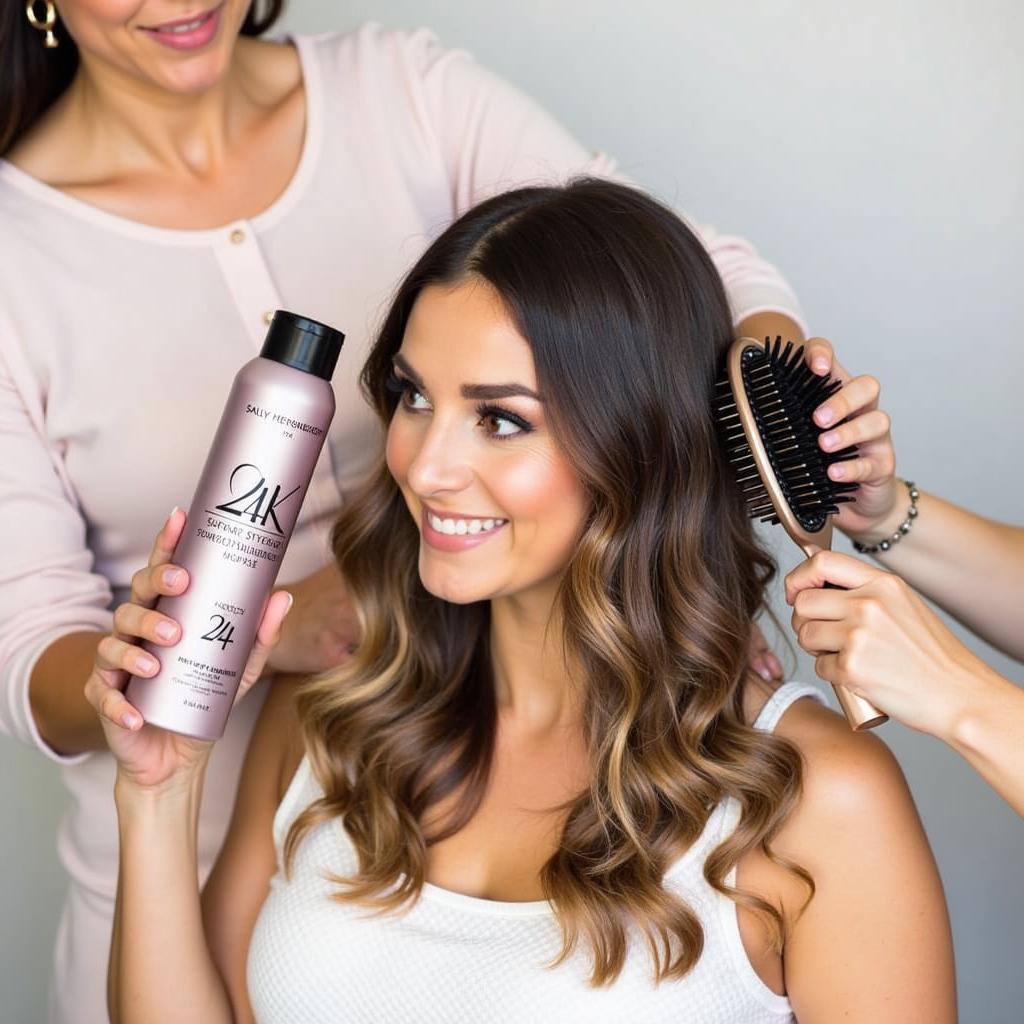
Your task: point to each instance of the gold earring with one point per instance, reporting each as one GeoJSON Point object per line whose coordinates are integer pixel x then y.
{"type": "Point", "coordinates": [47, 26]}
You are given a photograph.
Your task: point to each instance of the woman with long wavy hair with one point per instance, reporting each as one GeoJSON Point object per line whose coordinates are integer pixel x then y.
{"type": "Point", "coordinates": [171, 172]}
{"type": "Point", "coordinates": [546, 787]}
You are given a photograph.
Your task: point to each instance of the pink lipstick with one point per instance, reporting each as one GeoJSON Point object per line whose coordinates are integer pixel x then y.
{"type": "Point", "coordinates": [457, 532]}
{"type": "Point", "coordinates": [191, 33]}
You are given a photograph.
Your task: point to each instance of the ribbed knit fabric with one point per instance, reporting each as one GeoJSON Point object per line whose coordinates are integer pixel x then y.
{"type": "Point", "coordinates": [455, 958]}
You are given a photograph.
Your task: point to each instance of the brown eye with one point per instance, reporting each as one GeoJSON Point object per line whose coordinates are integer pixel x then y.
{"type": "Point", "coordinates": [413, 399]}
{"type": "Point", "coordinates": [407, 393]}
{"type": "Point", "coordinates": [501, 424]}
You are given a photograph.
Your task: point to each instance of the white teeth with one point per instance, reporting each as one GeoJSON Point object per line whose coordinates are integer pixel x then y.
{"type": "Point", "coordinates": [460, 527]}
{"type": "Point", "coordinates": [189, 27]}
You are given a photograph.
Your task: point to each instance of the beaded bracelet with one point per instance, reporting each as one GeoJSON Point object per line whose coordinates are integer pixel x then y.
{"type": "Point", "coordinates": [904, 528]}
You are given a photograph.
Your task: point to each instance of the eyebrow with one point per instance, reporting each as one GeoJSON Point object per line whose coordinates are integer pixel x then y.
{"type": "Point", "coordinates": [478, 391]}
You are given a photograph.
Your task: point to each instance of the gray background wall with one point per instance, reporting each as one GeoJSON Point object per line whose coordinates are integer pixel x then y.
{"type": "Point", "coordinates": [874, 152]}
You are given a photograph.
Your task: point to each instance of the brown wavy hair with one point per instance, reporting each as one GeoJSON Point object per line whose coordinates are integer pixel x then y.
{"type": "Point", "coordinates": [628, 322]}
{"type": "Point", "coordinates": [32, 77]}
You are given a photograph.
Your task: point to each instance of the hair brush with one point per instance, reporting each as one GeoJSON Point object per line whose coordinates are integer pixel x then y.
{"type": "Point", "coordinates": [764, 403]}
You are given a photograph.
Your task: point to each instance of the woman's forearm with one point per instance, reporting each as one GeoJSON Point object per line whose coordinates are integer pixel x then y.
{"type": "Point", "coordinates": [64, 718]}
{"type": "Point", "coordinates": [160, 967]}
{"type": "Point", "coordinates": [970, 566]}
{"type": "Point", "coordinates": [989, 733]}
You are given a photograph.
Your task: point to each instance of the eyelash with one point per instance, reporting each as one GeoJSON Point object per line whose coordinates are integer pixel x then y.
{"type": "Point", "coordinates": [403, 387]}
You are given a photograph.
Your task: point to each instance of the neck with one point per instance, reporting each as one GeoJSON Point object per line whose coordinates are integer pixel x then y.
{"type": "Point", "coordinates": [532, 672]}
{"type": "Point", "coordinates": [137, 124]}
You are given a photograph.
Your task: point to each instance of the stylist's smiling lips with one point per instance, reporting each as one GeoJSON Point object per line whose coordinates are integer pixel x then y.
{"type": "Point", "coordinates": [191, 33]}
{"type": "Point", "coordinates": [453, 531]}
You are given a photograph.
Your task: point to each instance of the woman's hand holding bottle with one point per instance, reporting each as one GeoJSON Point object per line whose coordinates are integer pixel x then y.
{"type": "Point", "coordinates": [149, 757]}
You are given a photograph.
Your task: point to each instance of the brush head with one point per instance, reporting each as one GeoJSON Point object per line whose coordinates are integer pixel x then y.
{"type": "Point", "coordinates": [772, 440]}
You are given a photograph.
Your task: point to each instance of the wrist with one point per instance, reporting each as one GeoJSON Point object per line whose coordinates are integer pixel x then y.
{"type": "Point", "coordinates": [895, 522]}
{"type": "Point", "coordinates": [979, 699]}
{"type": "Point", "coordinates": [181, 791]}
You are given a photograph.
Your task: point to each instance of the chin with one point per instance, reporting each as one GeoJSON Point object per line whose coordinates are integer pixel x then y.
{"type": "Point", "coordinates": [454, 587]}
{"type": "Point", "coordinates": [195, 75]}
{"type": "Point", "coordinates": [455, 593]}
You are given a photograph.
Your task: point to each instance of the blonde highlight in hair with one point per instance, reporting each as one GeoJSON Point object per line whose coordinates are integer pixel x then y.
{"type": "Point", "coordinates": [655, 606]}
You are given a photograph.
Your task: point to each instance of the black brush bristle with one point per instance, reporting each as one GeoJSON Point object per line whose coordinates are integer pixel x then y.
{"type": "Point", "coordinates": [783, 394]}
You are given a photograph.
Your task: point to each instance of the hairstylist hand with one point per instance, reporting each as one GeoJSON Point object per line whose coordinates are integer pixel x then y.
{"type": "Point", "coordinates": [880, 640]}
{"type": "Point", "coordinates": [321, 628]}
{"type": "Point", "coordinates": [147, 756]}
{"type": "Point", "coordinates": [880, 502]}
{"type": "Point", "coordinates": [762, 658]}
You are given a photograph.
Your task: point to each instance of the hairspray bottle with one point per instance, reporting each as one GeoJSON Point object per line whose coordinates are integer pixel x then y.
{"type": "Point", "coordinates": [239, 523]}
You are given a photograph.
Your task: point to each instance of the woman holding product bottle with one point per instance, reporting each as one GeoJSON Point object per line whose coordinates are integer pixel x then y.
{"type": "Point", "coordinates": [877, 637]}
{"type": "Point", "coordinates": [167, 180]}
{"type": "Point", "coordinates": [546, 786]}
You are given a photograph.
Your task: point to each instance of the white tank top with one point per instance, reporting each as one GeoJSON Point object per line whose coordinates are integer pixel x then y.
{"type": "Point", "coordinates": [456, 958]}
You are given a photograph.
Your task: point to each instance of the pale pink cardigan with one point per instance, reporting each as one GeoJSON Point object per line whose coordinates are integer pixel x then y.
{"type": "Point", "coordinates": [118, 342]}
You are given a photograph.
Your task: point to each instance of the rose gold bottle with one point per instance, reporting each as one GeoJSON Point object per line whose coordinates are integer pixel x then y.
{"type": "Point", "coordinates": [242, 515]}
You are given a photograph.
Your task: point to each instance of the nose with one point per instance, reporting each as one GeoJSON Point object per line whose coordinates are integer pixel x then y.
{"type": "Point", "coordinates": [443, 461]}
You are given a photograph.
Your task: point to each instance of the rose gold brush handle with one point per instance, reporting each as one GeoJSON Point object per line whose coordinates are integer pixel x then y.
{"type": "Point", "coordinates": [860, 713]}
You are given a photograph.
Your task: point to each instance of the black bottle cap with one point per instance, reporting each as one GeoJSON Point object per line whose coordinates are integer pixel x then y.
{"type": "Point", "coordinates": [305, 344]}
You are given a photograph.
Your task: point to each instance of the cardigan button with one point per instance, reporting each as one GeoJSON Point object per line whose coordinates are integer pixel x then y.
{"type": "Point", "coordinates": [237, 236]}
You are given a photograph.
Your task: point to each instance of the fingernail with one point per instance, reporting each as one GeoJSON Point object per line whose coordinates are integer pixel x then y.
{"type": "Point", "coordinates": [820, 365]}
{"type": "Point", "coordinates": [830, 440]}
{"type": "Point", "coordinates": [825, 417]}
{"type": "Point", "coordinates": [172, 577]}
{"type": "Point", "coordinates": [174, 512]}
{"type": "Point", "coordinates": [837, 472]}
{"type": "Point", "coordinates": [763, 672]}
{"type": "Point", "coordinates": [166, 630]}
{"type": "Point", "coordinates": [291, 601]}
{"type": "Point", "coordinates": [130, 720]}
{"type": "Point", "coordinates": [147, 664]}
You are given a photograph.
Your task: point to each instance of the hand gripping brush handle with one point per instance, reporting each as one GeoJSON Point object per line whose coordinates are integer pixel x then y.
{"type": "Point", "coordinates": [765, 405]}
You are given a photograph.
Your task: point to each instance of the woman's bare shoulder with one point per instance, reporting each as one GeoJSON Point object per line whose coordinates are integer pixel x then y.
{"type": "Point", "coordinates": [856, 830]}
{"type": "Point", "coordinates": [845, 772]}
{"type": "Point", "coordinates": [852, 791]}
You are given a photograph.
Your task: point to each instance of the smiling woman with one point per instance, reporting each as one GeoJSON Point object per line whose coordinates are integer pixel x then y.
{"type": "Point", "coordinates": [157, 202]}
{"type": "Point", "coordinates": [31, 79]}
{"type": "Point", "coordinates": [478, 475]}
{"type": "Point", "coordinates": [549, 713]}
{"type": "Point", "coordinates": [546, 785]}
